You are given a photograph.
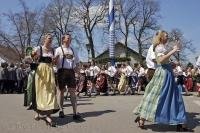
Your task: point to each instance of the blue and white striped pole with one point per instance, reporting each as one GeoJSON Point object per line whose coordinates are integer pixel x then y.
{"type": "Point", "coordinates": [111, 31]}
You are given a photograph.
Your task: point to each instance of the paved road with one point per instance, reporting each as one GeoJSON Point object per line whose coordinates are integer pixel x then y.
{"type": "Point", "coordinates": [103, 114]}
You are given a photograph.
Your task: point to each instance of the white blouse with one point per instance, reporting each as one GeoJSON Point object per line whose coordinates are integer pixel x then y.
{"type": "Point", "coordinates": [160, 50]}
{"type": "Point", "coordinates": [44, 54]}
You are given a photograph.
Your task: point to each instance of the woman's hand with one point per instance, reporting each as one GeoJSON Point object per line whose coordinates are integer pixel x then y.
{"type": "Point", "coordinates": [164, 58]}
{"type": "Point", "coordinates": [34, 56]}
{"type": "Point", "coordinates": [177, 46]}
{"type": "Point", "coordinates": [55, 59]}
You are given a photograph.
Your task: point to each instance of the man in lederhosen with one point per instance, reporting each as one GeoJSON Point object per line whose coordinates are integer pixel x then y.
{"type": "Point", "coordinates": [67, 63]}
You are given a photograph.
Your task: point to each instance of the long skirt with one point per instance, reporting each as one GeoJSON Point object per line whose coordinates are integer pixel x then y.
{"type": "Point", "coordinates": [162, 101]}
{"type": "Point", "coordinates": [45, 90]}
{"type": "Point", "coordinates": [122, 83]}
{"type": "Point", "coordinates": [82, 84]}
{"type": "Point", "coordinates": [30, 85]}
{"type": "Point", "coordinates": [189, 83]}
{"type": "Point", "coordinates": [101, 83]}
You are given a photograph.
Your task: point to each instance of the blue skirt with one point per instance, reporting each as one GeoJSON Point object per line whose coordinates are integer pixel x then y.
{"type": "Point", "coordinates": [170, 108]}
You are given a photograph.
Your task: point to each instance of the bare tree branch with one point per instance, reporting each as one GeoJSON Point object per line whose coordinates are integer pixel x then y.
{"type": "Point", "coordinates": [146, 23]}
{"type": "Point", "coordinates": [90, 13]}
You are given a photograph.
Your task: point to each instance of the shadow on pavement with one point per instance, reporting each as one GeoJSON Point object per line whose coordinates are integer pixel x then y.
{"type": "Point", "coordinates": [84, 99]}
{"type": "Point", "coordinates": [81, 98]}
{"type": "Point", "coordinates": [69, 118]}
{"type": "Point", "coordinates": [192, 123]}
{"type": "Point", "coordinates": [193, 120]}
{"type": "Point", "coordinates": [69, 104]}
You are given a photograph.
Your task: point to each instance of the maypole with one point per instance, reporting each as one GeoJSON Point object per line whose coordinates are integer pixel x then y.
{"type": "Point", "coordinates": [111, 31]}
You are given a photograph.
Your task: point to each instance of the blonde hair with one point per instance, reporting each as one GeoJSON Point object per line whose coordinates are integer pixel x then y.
{"type": "Point", "coordinates": [158, 38]}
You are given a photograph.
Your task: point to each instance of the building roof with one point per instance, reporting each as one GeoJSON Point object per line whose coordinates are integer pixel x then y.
{"type": "Point", "coordinates": [8, 54]}
{"type": "Point", "coordinates": [119, 44]}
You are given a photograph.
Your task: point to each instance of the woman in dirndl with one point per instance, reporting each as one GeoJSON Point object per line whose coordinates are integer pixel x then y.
{"type": "Point", "coordinates": [122, 81]}
{"type": "Point", "coordinates": [101, 82]}
{"type": "Point", "coordinates": [45, 102]}
{"type": "Point", "coordinates": [82, 82]}
{"type": "Point", "coordinates": [197, 79]}
{"type": "Point", "coordinates": [162, 102]}
{"type": "Point", "coordinates": [30, 85]}
{"type": "Point", "coordinates": [189, 80]}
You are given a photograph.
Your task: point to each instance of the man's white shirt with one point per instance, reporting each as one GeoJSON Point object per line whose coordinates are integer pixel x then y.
{"type": "Point", "coordinates": [87, 72]}
{"type": "Point", "coordinates": [111, 71]}
{"type": "Point", "coordinates": [129, 71]}
{"type": "Point", "coordinates": [68, 63]}
{"type": "Point", "coordinates": [94, 70]}
{"type": "Point", "coordinates": [150, 57]}
{"type": "Point", "coordinates": [179, 70]}
{"type": "Point", "coordinates": [141, 72]}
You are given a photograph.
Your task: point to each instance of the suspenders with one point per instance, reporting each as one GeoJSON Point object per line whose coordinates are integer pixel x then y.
{"type": "Point", "coordinates": [41, 51]}
{"type": "Point", "coordinates": [63, 60]}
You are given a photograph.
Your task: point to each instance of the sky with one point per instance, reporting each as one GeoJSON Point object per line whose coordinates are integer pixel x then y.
{"type": "Point", "coordinates": [182, 14]}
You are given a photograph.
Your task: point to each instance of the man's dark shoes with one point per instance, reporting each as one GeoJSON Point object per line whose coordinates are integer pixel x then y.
{"type": "Point", "coordinates": [78, 118]}
{"type": "Point", "coordinates": [61, 114]}
{"type": "Point", "coordinates": [180, 128]}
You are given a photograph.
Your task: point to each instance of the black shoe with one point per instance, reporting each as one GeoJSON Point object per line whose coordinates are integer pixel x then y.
{"type": "Point", "coordinates": [114, 94]}
{"type": "Point", "coordinates": [90, 95]}
{"type": "Point", "coordinates": [66, 97]}
{"type": "Point", "coordinates": [140, 124]}
{"type": "Point", "coordinates": [61, 114]}
{"type": "Point", "coordinates": [137, 119]}
{"type": "Point", "coordinates": [106, 94]}
{"type": "Point", "coordinates": [77, 117]}
{"type": "Point", "coordinates": [30, 107]}
{"type": "Point", "coordinates": [37, 118]}
{"type": "Point", "coordinates": [180, 128]}
{"type": "Point", "coordinates": [51, 124]}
